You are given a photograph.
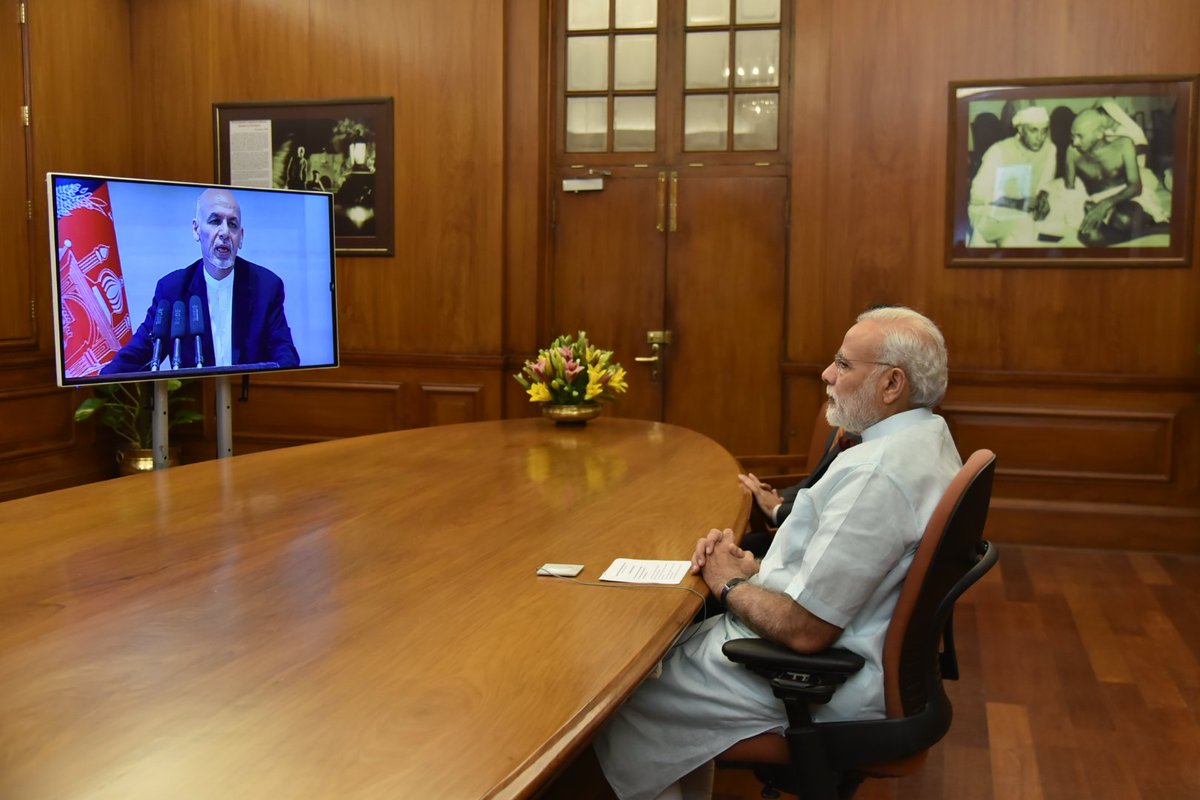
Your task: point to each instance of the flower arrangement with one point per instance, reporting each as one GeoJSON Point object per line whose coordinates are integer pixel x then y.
{"type": "Point", "coordinates": [572, 372]}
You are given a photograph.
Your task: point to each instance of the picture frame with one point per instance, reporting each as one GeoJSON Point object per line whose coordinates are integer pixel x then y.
{"type": "Point", "coordinates": [1065, 172]}
{"type": "Point", "coordinates": [342, 146]}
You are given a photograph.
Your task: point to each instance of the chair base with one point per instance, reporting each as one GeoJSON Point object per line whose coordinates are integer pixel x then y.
{"type": "Point", "coordinates": [778, 779]}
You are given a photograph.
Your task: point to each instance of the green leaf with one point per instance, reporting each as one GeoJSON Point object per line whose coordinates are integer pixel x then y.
{"type": "Point", "coordinates": [89, 407]}
{"type": "Point", "coordinates": [185, 415]}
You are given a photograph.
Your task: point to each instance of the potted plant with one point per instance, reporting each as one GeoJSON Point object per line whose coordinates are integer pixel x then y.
{"type": "Point", "coordinates": [127, 408]}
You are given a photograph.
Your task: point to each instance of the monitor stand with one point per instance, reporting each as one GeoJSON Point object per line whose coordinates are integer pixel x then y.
{"type": "Point", "coordinates": [159, 423]}
{"type": "Point", "coordinates": [224, 417]}
{"type": "Point", "coordinates": [158, 426]}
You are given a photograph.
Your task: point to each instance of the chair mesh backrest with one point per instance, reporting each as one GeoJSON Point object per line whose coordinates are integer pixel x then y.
{"type": "Point", "coordinates": [948, 550]}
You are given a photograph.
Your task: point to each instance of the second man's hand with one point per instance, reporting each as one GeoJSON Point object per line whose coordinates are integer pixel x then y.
{"type": "Point", "coordinates": [763, 493]}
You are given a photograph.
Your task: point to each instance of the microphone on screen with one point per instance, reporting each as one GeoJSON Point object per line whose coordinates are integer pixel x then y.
{"type": "Point", "coordinates": [159, 332]}
{"type": "Point", "coordinates": [178, 327]}
{"type": "Point", "coordinates": [196, 326]}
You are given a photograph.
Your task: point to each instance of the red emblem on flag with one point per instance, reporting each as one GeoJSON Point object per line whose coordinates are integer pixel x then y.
{"type": "Point", "coordinates": [95, 314]}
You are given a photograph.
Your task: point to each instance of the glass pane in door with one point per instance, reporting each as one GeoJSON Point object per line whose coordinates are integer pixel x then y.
{"type": "Point", "coordinates": [705, 122]}
{"type": "Point", "coordinates": [587, 63]}
{"type": "Point", "coordinates": [757, 58]}
{"type": "Point", "coordinates": [756, 122]}
{"type": "Point", "coordinates": [637, 13]}
{"type": "Point", "coordinates": [587, 15]}
{"type": "Point", "coordinates": [707, 60]}
{"type": "Point", "coordinates": [633, 124]}
{"type": "Point", "coordinates": [587, 124]}
{"type": "Point", "coordinates": [635, 60]}
{"type": "Point", "coordinates": [751, 12]}
{"type": "Point", "coordinates": [708, 12]}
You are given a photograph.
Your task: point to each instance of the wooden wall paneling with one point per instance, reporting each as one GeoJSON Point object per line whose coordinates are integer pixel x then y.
{"type": "Point", "coordinates": [46, 421]}
{"type": "Point", "coordinates": [812, 279]}
{"type": "Point", "coordinates": [79, 87]}
{"type": "Point", "coordinates": [1101, 360]}
{"type": "Point", "coordinates": [1093, 465]}
{"type": "Point", "coordinates": [17, 330]}
{"type": "Point", "coordinates": [1164, 529]}
{"type": "Point", "coordinates": [889, 85]}
{"type": "Point", "coordinates": [449, 404]}
{"type": "Point", "coordinates": [57, 469]}
{"type": "Point", "coordinates": [1088, 443]}
{"type": "Point", "coordinates": [41, 446]}
{"type": "Point", "coordinates": [283, 411]}
{"type": "Point", "coordinates": [527, 139]}
{"type": "Point", "coordinates": [82, 90]}
{"type": "Point", "coordinates": [803, 397]}
{"type": "Point", "coordinates": [1079, 444]}
{"type": "Point", "coordinates": [443, 65]}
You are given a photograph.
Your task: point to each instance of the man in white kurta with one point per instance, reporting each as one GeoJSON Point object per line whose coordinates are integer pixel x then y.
{"type": "Point", "coordinates": [840, 557]}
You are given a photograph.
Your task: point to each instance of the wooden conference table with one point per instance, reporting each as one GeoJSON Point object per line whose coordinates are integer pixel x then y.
{"type": "Point", "coordinates": [351, 619]}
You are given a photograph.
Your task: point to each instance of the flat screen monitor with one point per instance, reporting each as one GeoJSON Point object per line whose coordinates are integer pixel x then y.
{"type": "Point", "coordinates": [156, 279]}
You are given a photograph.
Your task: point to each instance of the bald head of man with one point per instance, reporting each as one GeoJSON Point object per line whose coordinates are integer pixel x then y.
{"type": "Point", "coordinates": [1088, 129]}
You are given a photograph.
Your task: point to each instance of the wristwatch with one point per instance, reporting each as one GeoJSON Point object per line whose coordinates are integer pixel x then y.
{"type": "Point", "coordinates": [732, 582]}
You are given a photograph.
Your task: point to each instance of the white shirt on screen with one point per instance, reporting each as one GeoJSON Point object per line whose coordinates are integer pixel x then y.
{"type": "Point", "coordinates": [220, 314]}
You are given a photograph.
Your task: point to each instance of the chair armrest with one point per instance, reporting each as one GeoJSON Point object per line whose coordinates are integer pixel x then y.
{"type": "Point", "coordinates": [770, 659]}
{"type": "Point", "coordinates": [798, 679]}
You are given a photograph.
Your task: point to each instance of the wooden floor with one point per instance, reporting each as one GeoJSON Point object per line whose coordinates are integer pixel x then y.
{"type": "Point", "coordinates": [1080, 679]}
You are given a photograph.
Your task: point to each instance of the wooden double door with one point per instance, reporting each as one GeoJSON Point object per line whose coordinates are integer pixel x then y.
{"type": "Point", "coordinates": [692, 259]}
{"type": "Point", "coordinates": [669, 217]}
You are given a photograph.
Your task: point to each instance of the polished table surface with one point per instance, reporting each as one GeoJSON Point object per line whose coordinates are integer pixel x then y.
{"type": "Point", "coordinates": [352, 619]}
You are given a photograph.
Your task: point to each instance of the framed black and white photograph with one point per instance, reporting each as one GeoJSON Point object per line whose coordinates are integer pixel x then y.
{"type": "Point", "coordinates": [343, 147]}
{"type": "Point", "coordinates": [1071, 172]}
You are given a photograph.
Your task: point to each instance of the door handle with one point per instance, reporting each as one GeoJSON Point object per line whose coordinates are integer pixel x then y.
{"type": "Point", "coordinates": [660, 224]}
{"type": "Point", "coordinates": [654, 348]}
{"type": "Point", "coordinates": [651, 360]}
{"type": "Point", "coordinates": [674, 224]}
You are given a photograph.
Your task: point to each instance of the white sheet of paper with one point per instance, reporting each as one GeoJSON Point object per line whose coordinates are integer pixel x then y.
{"type": "Point", "coordinates": [634, 570]}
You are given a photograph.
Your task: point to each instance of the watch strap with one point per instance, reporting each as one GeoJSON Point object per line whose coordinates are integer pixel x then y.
{"type": "Point", "coordinates": [732, 582]}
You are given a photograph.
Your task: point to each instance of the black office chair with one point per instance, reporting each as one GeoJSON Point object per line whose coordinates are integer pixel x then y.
{"type": "Point", "coordinates": [822, 761]}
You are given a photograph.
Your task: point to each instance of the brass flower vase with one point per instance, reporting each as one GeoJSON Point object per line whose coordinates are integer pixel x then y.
{"type": "Point", "coordinates": [571, 414]}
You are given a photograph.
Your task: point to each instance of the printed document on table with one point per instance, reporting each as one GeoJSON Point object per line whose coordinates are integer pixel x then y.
{"type": "Point", "coordinates": [635, 570]}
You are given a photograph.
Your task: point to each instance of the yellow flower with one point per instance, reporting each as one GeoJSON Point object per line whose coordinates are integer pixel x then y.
{"type": "Point", "coordinates": [539, 393]}
{"type": "Point", "coordinates": [617, 382]}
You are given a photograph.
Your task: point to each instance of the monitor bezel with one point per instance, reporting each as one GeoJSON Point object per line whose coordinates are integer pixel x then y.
{"type": "Point", "coordinates": [199, 373]}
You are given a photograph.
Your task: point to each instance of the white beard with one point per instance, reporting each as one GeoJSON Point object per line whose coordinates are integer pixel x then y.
{"type": "Point", "coordinates": [856, 412]}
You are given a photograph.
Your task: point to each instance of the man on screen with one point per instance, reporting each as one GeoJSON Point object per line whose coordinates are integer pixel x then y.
{"type": "Point", "coordinates": [233, 310]}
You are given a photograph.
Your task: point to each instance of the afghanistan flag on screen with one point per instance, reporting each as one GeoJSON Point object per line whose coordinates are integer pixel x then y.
{"type": "Point", "coordinates": [91, 288]}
